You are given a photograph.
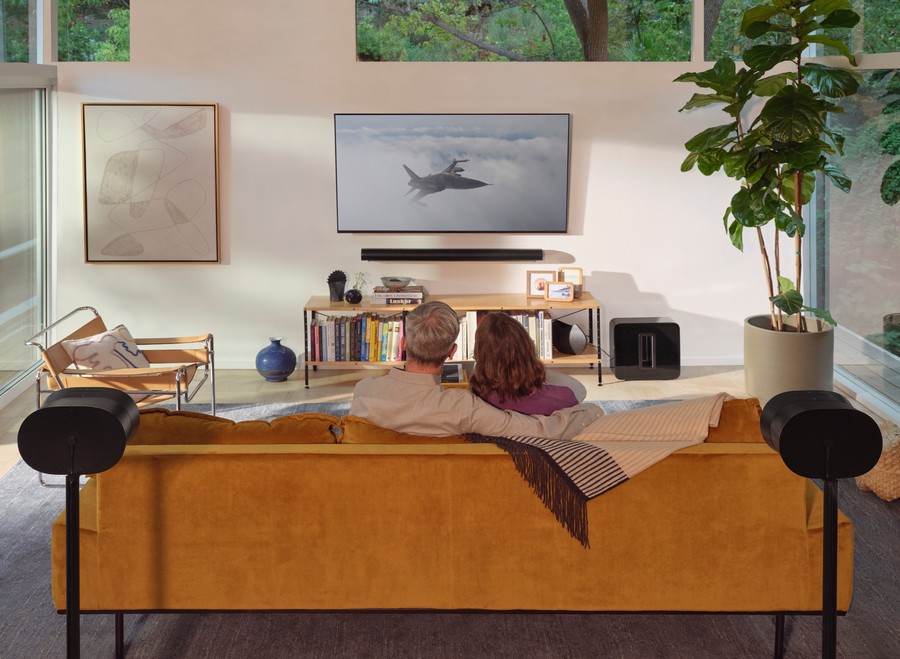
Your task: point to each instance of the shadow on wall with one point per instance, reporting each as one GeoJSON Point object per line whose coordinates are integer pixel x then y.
{"type": "Point", "coordinates": [702, 336]}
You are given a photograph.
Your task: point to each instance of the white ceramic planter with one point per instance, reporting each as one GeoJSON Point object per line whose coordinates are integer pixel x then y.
{"type": "Point", "coordinates": [775, 362]}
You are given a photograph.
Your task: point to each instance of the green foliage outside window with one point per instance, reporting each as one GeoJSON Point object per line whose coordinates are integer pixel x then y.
{"type": "Point", "coordinates": [877, 32]}
{"type": "Point", "coordinates": [89, 30]}
{"type": "Point", "coordinates": [522, 30]}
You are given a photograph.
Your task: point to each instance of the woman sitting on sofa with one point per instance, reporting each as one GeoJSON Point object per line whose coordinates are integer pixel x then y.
{"type": "Point", "coordinates": [508, 374]}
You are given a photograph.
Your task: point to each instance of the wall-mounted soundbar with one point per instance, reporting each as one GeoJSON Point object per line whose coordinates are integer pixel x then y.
{"type": "Point", "coordinates": [423, 255]}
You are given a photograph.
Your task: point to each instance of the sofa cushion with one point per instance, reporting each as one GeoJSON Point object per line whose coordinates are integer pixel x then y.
{"type": "Point", "coordinates": [738, 422]}
{"type": "Point", "coordinates": [163, 426]}
{"type": "Point", "coordinates": [106, 351]}
{"type": "Point", "coordinates": [358, 430]}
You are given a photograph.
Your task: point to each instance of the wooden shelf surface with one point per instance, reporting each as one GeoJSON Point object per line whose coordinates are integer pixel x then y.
{"type": "Point", "coordinates": [474, 302]}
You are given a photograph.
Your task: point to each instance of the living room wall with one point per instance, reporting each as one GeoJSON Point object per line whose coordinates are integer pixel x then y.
{"type": "Point", "coordinates": [649, 238]}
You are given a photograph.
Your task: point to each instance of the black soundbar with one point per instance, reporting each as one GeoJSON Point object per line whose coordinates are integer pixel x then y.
{"type": "Point", "coordinates": [402, 254]}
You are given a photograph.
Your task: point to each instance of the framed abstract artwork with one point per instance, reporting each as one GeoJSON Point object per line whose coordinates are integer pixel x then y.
{"type": "Point", "coordinates": [151, 182]}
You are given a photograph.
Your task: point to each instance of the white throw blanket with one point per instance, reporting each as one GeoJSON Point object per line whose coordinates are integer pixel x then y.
{"type": "Point", "coordinates": [567, 473]}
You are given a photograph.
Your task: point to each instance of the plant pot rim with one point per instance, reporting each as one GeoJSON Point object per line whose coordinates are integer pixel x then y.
{"type": "Point", "coordinates": [762, 322]}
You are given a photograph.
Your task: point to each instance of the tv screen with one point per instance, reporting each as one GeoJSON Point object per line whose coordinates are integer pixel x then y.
{"type": "Point", "coordinates": [452, 173]}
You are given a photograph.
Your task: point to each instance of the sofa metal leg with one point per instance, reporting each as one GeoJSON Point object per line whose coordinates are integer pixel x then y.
{"type": "Point", "coordinates": [779, 636]}
{"type": "Point", "coordinates": [120, 635]}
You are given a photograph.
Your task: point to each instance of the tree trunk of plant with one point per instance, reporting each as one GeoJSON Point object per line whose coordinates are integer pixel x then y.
{"type": "Point", "coordinates": [798, 245]}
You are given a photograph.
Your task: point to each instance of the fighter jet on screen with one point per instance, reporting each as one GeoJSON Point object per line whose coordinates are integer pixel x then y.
{"type": "Point", "coordinates": [449, 179]}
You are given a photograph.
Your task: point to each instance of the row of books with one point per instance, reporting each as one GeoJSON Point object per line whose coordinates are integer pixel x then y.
{"type": "Point", "coordinates": [539, 325]}
{"type": "Point", "coordinates": [372, 338]}
{"type": "Point", "coordinates": [363, 338]}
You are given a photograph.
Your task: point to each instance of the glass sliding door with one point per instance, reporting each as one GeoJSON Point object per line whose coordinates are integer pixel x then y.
{"type": "Point", "coordinates": [23, 222]}
{"type": "Point", "coordinates": [858, 240]}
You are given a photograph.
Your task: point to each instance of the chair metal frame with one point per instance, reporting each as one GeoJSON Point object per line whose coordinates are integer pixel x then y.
{"type": "Point", "coordinates": [174, 362]}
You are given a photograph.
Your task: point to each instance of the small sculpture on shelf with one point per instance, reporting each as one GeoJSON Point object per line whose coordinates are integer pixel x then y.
{"type": "Point", "coordinates": [336, 282]}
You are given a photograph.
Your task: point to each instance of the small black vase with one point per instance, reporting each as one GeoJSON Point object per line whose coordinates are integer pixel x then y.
{"type": "Point", "coordinates": [353, 296]}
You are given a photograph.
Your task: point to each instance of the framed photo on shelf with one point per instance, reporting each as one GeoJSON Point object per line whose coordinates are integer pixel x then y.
{"type": "Point", "coordinates": [151, 182]}
{"type": "Point", "coordinates": [537, 282]}
{"type": "Point", "coordinates": [559, 291]}
{"type": "Point", "coordinates": [573, 276]}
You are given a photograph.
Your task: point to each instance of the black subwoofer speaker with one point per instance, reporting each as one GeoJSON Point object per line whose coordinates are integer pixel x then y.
{"type": "Point", "coordinates": [645, 348]}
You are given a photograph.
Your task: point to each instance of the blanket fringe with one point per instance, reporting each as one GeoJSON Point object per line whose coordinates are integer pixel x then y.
{"type": "Point", "coordinates": [552, 486]}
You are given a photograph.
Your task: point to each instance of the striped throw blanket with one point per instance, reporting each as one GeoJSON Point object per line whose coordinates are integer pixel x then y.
{"type": "Point", "coordinates": [567, 473]}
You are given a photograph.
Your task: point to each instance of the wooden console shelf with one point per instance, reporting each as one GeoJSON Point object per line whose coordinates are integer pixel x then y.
{"type": "Point", "coordinates": [322, 305]}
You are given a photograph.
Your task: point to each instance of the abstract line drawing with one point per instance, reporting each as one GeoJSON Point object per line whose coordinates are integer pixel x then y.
{"type": "Point", "coordinates": [151, 182]}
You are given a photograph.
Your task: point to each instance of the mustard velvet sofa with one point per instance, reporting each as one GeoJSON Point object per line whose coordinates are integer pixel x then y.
{"type": "Point", "coordinates": [314, 512]}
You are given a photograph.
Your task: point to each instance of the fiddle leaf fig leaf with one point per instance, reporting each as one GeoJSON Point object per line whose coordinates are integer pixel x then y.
{"type": "Point", "coordinates": [837, 44]}
{"type": "Point", "coordinates": [716, 136]}
{"type": "Point", "coordinates": [764, 57]}
{"type": "Point", "coordinates": [689, 162]}
{"type": "Point", "coordinates": [735, 232]}
{"type": "Point", "coordinates": [755, 22]}
{"type": "Point", "coordinates": [701, 100]}
{"type": "Point", "coordinates": [793, 115]}
{"type": "Point", "coordinates": [771, 85]}
{"type": "Point", "coordinates": [829, 81]}
{"type": "Point", "coordinates": [837, 177]}
{"type": "Point", "coordinates": [840, 18]}
{"type": "Point", "coordinates": [719, 78]}
{"type": "Point", "coordinates": [710, 161]}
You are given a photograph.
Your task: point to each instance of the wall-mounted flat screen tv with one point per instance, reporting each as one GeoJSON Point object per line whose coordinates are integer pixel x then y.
{"type": "Point", "coordinates": [452, 173]}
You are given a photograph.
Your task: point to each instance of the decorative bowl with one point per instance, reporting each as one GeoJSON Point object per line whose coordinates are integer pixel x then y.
{"type": "Point", "coordinates": [396, 283]}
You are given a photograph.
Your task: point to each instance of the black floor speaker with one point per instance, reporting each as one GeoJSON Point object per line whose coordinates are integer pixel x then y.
{"type": "Point", "coordinates": [645, 348]}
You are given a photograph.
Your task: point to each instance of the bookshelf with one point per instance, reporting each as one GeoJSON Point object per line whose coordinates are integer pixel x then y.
{"type": "Point", "coordinates": [321, 307]}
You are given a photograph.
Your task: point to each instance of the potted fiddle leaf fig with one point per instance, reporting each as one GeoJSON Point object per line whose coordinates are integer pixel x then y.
{"type": "Point", "coordinates": [775, 143]}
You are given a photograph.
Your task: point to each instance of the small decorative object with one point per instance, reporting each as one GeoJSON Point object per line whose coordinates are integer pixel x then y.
{"type": "Point", "coordinates": [355, 294]}
{"type": "Point", "coordinates": [276, 362]}
{"type": "Point", "coordinates": [559, 291]}
{"type": "Point", "coordinates": [537, 281]}
{"type": "Point", "coordinates": [336, 282]}
{"type": "Point", "coordinates": [573, 276]}
{"type": "Point", "coordinates": [396, 283]}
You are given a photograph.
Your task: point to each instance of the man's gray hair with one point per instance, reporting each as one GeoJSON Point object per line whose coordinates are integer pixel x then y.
{"type": "Point", "coordinates": [431, 330]}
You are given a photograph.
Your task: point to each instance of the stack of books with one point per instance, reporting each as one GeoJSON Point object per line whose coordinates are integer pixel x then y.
{"type": "Point", "coordinates": [408, 295]}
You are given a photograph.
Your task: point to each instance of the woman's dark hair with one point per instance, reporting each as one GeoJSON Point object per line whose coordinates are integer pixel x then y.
{"type": "Point", "coordinates": [506, 360]}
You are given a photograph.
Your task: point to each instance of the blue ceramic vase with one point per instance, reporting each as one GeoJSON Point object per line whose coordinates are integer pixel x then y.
{"type": "Point", "coordinates": [276, 362]}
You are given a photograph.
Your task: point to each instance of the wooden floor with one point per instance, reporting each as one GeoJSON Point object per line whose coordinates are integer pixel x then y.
{"type": "Point", "coordinates": [242, 386]}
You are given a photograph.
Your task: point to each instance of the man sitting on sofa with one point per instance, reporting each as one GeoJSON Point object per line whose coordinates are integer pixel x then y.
{"type": "Point", "coordinates": [412, 400]}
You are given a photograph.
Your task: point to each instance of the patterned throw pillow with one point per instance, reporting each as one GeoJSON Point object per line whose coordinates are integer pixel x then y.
{"type": "Point", "coordinates": [106, 351]}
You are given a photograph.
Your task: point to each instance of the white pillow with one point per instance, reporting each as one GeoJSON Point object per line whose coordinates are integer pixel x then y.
{"type": "Point", "coordinates": [108, 350]}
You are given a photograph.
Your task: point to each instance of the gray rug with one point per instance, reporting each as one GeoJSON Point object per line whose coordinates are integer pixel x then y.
{"type": "Point", "coordinates": [30, 627]}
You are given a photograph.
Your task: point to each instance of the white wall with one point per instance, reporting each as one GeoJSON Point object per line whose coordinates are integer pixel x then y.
{"type": "Point", "coordinates": [649, 238]}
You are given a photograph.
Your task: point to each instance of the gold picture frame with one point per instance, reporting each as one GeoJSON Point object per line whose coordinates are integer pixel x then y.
{"type": "Point", "coordinates": [536, 282]}
{"type": "Point", "coordinates": [151, 182]}
{"type": "Point", "coordinates": [572, 275]}
{"type": "Point", "coordinates": [559, 291]}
